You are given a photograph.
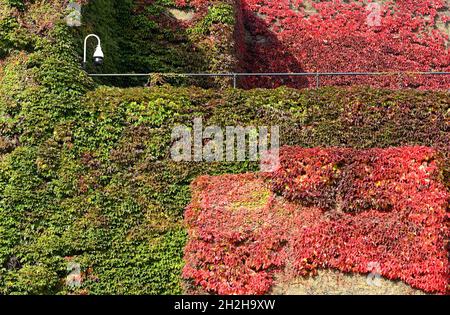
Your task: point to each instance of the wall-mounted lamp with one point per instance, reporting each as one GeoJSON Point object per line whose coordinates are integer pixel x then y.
{"type": "Point", "coordinates": [98, 54]}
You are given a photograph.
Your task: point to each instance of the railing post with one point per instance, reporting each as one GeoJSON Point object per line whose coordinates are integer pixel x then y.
{"type": "Point", "coordinates": [317, 80]}
{"type": "Point", "coordinates": [234, 80]}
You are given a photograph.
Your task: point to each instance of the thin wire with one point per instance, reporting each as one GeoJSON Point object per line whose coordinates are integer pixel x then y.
{"type": "Point", "coordinates": [244, 74]}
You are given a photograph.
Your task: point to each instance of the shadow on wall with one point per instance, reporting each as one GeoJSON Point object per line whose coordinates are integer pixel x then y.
{"type": "Point", "coordinates": [140, 39]}
{"type": "Point", "coordinates": [262, 48]}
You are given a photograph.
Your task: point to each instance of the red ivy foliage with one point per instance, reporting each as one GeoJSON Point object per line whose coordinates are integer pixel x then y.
{"type": "Point", "coordinates": [236, 239]}
{"type": "Point", "coordinates": [349, 36]}
{"type": "Point", "coordinates": [342, 36]}
{"type": "Point", "coordinates": [310, 175]}
{"type": "Point", "coordinates": [345, 209]}
{"type": "Point", "coordinates": [355, 180]}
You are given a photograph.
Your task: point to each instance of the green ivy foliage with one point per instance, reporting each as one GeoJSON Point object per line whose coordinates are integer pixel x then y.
{"type": "Point", "coordinates": [140, 40]}
{"type": "Point", "coordinates": [20, 4]}
{"type": "Point", "coordinates": [41, 86]}
{"type": "Point", "coordinates": [148, 39]}
{"type": "Point", "coordinates": [12, 36]}
{"type": "Point", "coordinates": [221, 13]}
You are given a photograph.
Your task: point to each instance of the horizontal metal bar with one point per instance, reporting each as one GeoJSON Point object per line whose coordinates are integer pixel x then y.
{"type": "Point", "coordinates": [268, 74]}
{"type": "Point", "coordinates": [167, 74]}
{"type": "Point", "coordinates": [381, 73]}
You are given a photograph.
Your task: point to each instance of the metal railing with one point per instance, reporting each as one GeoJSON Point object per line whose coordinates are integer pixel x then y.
{"type": "Point", "coordinates": [235, 76]}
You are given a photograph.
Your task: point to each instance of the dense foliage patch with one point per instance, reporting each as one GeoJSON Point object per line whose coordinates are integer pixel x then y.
{"type": "Point", "coordinates": [163, 36]}
{"type": "Point", "coordinates": [352, 180]}
{"type": "Point", "coordinates": [236, 239]}
{"type": "Point", "coordinates": [88, 180]}
{"type": "Point", "coordinates": [98, 188]}
{"type": "Point", "coordinates": [57, 204]}
{"type": "Point", "coordinates": [241, 234]}
{"type": "Point", "coordinates": [322, 36]}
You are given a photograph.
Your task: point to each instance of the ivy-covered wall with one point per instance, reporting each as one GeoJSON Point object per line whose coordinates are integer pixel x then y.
{"type": "Point", "coordinates": [47, 222]}
{"type": "Point", "coordinates": [41, 85]}
{"type": "Point", "coordinates": [101, 190]}
{"type": "Point", "coordinates": [322, 208]}
{"type": "Point", "coordinates": [163, 36]}
{"type": "Point", "coordinates": [85, 175]}
{"type": "Point", "coordinates": [348, 36]}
